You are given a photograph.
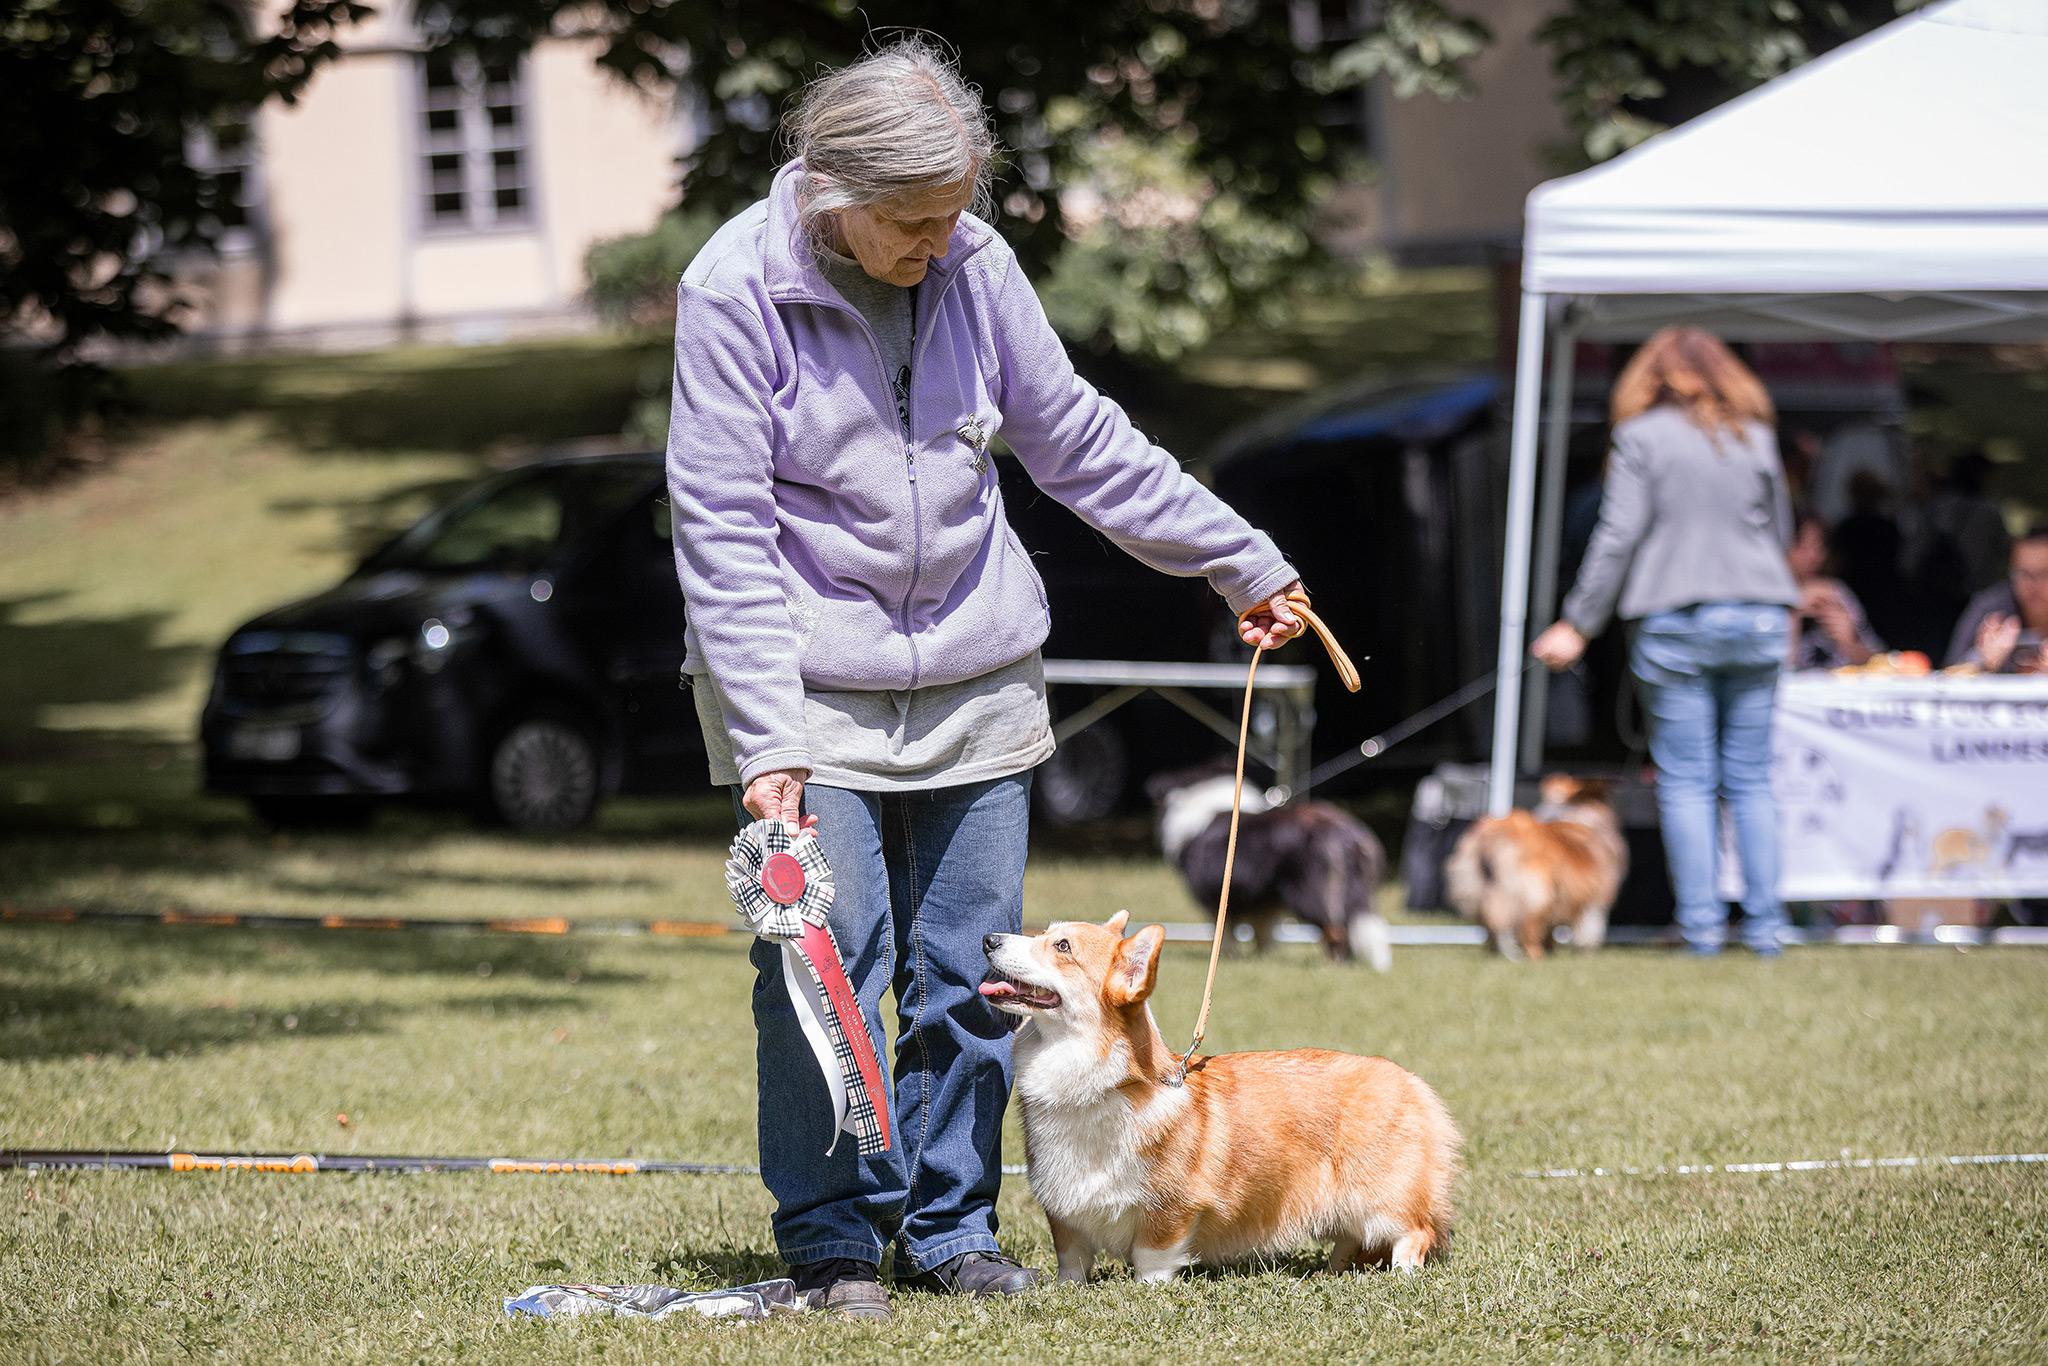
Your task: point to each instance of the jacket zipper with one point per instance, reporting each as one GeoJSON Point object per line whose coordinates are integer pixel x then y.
{"type": "Point", "coordinates": [909, 455]}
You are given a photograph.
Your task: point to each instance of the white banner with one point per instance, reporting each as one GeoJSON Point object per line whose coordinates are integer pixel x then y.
{"type": "Point", "coordinates": [1911, 787]}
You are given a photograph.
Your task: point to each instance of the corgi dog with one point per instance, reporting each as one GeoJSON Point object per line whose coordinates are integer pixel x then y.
{"type": "Point", "coordinates": [1523, 875]}
{"type": "Point", "coordinates": [1250, 1153]}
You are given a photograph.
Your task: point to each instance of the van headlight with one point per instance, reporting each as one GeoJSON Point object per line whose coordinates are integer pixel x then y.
{"type": "Point", "coordinates": [435, 642]}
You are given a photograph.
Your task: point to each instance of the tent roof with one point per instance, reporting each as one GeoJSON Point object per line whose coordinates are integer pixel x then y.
{"type": "Point", "coordinates": [1911, 164]}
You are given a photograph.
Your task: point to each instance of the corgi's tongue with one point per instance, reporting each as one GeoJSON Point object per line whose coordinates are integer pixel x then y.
{"type": "Point", "coordinates": [999, 988]}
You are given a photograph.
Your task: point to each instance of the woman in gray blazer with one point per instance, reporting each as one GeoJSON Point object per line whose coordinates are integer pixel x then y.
{"type": "Point", "coordinates": [1694, 526]}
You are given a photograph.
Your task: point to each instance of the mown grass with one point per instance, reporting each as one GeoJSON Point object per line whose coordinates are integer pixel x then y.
{"type": "Point", "coordinates": [254, 481]}
{"type": "Point", "coordinates": [214, 1039]}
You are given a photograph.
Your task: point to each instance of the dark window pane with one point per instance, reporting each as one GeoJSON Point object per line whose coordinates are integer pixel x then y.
{"type": "Point", "coordinates": [448, 205]}
{"type": "Point", "coordinates": [439, 68]}
{"type": "Point", "coordinates": [441, 120]}
{"type": "Point", "coordinates": [504, 116]}
{"type": "Point", "coordinates": [231, 196]}
{"type": "Point", "coordinates": [510, 199]}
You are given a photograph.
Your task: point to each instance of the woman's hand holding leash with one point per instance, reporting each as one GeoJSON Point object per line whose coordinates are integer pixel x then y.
{"type": "Point", "coordinates": [1274, 624]}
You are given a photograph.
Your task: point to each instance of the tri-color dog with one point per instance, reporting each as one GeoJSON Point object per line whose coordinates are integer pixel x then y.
{"type": "Point", "coordinates": [1250, 1153]}
{"type": "Point", "coordinates": [1311, 858]}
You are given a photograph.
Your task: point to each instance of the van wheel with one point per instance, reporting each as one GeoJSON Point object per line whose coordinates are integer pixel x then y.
{"type": "Point", "coordinates": [1085, 778]}
{"type": "Point", "coordinates": [543, 775]}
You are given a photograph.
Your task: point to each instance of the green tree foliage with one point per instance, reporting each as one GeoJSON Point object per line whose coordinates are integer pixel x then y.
{"type": "Point", "coordinates": [1217, 97]}
{"type": "Point", "coordinates": [97, 192]}
{"type": "Point", "coordinates": [1628, 69]}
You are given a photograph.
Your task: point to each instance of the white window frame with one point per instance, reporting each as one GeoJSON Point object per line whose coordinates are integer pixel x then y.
{"type": "Point", "coordinates": [475, 143]}
{"type": "Point", "coordinates": [203, 153]}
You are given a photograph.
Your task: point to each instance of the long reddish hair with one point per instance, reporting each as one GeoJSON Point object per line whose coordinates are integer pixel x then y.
{"type": "Point", "coordinates": [1693, 369]}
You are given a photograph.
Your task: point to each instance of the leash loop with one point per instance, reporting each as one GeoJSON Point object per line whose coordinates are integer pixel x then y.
{"type": "Point", "coordinates": [1348, 672]}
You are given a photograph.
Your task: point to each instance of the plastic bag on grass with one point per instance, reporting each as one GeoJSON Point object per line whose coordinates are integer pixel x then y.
{"type": "Point", "coordinates": [757, 1301]}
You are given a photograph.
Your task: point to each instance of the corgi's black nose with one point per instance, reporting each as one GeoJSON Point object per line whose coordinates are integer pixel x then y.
{"type": "Point", "coordinates": [990, 942]}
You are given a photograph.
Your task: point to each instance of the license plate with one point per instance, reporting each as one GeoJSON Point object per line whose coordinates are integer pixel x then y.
{"type": "Point", "coordinates": [270, 744]}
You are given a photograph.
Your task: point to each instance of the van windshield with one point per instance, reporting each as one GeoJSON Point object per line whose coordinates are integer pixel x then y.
{"type": "Point", "coordinates": [517, 522]}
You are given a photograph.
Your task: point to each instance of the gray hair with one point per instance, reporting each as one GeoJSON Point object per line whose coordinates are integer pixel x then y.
{"type": "Point", "coordinates": [901, 119]}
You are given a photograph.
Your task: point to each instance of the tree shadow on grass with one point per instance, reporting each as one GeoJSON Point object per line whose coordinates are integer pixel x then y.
{"type": "Point", "coordinates": [65, 991]}
{"type": "Point", "coordinates": [413, 398]}
{"type": "Point", "coordinates": [43, 1021]}
{"type": "Point", "coordinates": [119, 956]}
{"type": "Point", "coordinates": [369, 520]}
{"type": "Point", "coordinates": [94, 660]}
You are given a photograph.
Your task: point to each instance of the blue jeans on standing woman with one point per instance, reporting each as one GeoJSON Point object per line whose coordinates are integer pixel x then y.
{"type": "Point", "coordinates": [1710, 678]}
{"type": "Point", "coordinates": [918, 877]}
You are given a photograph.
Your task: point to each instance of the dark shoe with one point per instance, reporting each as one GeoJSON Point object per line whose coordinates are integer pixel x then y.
{"type": "Point", "coordinates": [843, 1287]}
{"type": "Point", "coordinates": [973, 1273]}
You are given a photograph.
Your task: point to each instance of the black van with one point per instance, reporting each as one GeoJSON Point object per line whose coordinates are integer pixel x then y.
{"type": "Point", "coordinates": [519, 651]}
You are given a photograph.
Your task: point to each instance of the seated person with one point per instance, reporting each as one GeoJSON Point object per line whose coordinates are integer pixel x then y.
{"type": "Point", "coordinates": [2002, 628]}
{"type": "Point", "coordinates": [1829, 630]}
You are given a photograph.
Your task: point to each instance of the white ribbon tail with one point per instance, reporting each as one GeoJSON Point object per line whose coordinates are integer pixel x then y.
{"type": "Point", "coordinates": [810, 1016]}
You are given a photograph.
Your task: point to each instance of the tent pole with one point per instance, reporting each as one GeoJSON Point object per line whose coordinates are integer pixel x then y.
{"type": "Point", "coordinates": [1549, 525]}
{"type": "Point", "coordinates": [1514, 578]}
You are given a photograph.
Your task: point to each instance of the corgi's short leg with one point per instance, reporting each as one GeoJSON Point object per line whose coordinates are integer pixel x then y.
{"type": "Point", "coordinates": [1076, 1254]}
{"type": "Point", "coordinates": [1534, 932]}
{"type": "Point", "coordinates": [1411, 1248]}
{"type": "Point", "coordinates": [1591, 931]}
{"type": "Point", "coordinates": [1157, 1264]}
{"type": "Point", "coordinates": [1343, 1255]}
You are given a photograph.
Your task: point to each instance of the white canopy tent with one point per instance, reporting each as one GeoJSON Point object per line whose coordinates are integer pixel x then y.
{"type": "Point", "coordinates": [1894, 189]}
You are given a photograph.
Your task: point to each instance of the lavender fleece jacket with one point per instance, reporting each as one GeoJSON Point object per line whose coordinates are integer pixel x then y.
{"type": "Point", "coordinates": [816, 548]}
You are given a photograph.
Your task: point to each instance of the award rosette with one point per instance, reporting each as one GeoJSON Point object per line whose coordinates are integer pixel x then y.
{"type": "Point", "coordinates": [783, 889]}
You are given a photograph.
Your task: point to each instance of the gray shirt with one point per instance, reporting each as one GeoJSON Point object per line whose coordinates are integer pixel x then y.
{"type": "Point", "coordinates": [1687, 516]}
{"type": "Point", "coordinates": [891, 314]}
{"type": "Point", "coordinates": [941, 736]}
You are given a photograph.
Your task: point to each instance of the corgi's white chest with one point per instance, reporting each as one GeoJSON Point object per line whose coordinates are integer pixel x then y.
{"type": "Point", "coordinates": [1086, 1141]}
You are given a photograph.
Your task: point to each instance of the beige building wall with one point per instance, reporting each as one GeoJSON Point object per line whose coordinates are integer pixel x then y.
{"type": "Point", "coordinates": [334, 191]}
{"type": "Point", "coordinates": [607, 155]}
{"type": "Point", "coordinates": [1457, 171]}
{"type": "Point", "coordinates": [349, 258]}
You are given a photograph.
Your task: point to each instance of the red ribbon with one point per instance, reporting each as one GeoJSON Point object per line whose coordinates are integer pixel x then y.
{"type": "Point", "coordinates": [816, 947]}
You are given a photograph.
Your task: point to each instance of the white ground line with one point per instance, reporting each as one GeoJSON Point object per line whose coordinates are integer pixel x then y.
{"type": "Point", "coordinates": [1815, 1164]}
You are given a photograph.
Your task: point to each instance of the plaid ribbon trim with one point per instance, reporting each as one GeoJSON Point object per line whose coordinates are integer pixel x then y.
{"type": "Point", "coordinates": [750, 852]}
{"type": "Point", "coordinates": [851, 1047]}
{"type": "Point", "coordinates": [801, 928]}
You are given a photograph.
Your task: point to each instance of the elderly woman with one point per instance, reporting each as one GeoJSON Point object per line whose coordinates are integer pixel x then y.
{"type": "Point", "coordinates": [865, 626]}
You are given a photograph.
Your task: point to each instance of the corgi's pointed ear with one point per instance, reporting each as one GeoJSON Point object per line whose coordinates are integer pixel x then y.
{"type": "Point", "coordinates": [1115, 924]}
{"type": "Point", "coordinates": [1136, 969]}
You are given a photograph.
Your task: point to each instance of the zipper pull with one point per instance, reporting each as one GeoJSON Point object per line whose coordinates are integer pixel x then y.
{"type": "Point", "coordinates": [911, 456]}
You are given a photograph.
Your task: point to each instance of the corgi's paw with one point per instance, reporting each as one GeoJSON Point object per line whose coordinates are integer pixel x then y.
{"type": "Point", "coordinates": [1153, 1265]}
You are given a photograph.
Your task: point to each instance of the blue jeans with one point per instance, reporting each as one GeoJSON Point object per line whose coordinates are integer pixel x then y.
{"type": "Point", "coordinates": [918, 878]}
{"type": "Point", "coordinates": [1710, 677]}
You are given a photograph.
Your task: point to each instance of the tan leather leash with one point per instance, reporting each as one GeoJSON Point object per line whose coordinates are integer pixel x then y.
{"type": "Point", "coordinates": [1348, 672]}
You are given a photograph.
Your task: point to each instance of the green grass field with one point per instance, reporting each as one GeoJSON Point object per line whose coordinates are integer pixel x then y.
{"type": "Point", "coordinates": [223, 1039]}
{"type": "Point", "coordinates": [249, 482]}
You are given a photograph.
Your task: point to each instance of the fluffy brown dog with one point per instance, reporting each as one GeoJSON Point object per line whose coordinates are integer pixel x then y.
{"type": "Point", "coordinates": [1252, 1152]}
{"type": "Point", "coordinates": [1524, 875]}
